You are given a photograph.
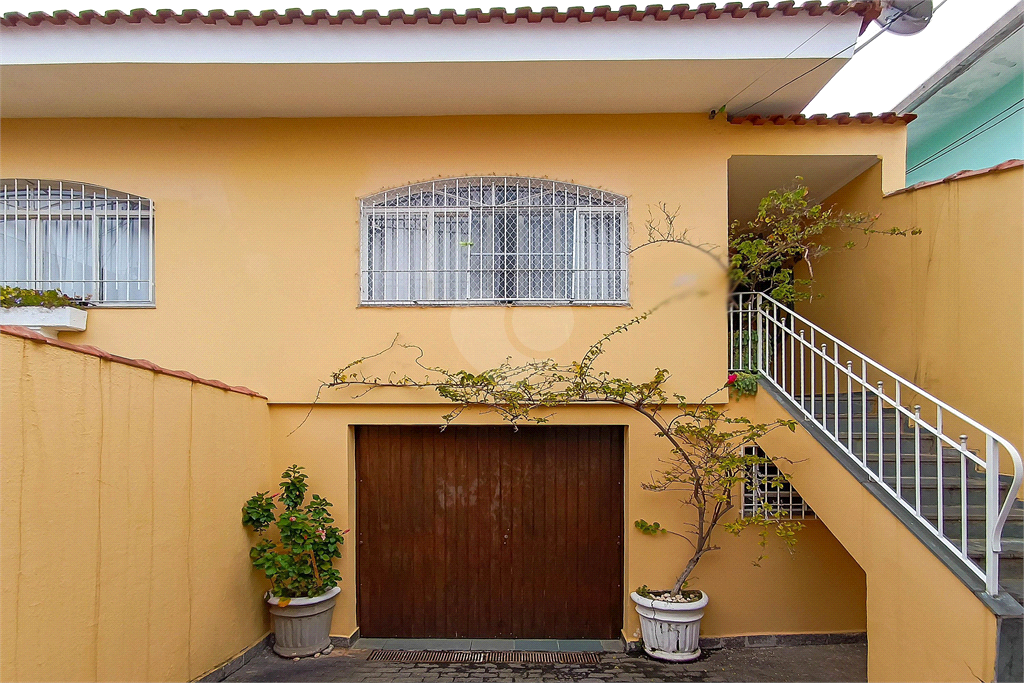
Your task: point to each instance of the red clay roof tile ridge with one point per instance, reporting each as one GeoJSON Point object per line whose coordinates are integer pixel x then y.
{"type": "Point", "coordinates": [32, 335]}
{"type": "Point", "coordinates": [867, 9]}
{"type": "Point", "coordinates": [960, 175]}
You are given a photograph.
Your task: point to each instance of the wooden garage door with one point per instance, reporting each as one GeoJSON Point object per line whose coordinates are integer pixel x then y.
{"type": "Point", "coordinates": [486, 532]}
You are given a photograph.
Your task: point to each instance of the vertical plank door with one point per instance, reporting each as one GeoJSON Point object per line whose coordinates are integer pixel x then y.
{"type": "Point", "coordinates": [489, 532]}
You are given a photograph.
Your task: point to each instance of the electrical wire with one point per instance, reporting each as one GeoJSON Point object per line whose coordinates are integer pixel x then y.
{"type": "Point", "coordinates": [973, 133]}
{"type": "Point", "coordinates": [952, 145]}
{"type": "Point", "coordinates": [771, 68]}
{"type": "Point", "coordinates": [821, 64]}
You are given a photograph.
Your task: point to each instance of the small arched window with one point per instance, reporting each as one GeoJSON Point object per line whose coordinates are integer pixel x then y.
{"type": "Point", "coordinates": [87, 241]}
{"type": "Point", "coordinates": [494, 240]}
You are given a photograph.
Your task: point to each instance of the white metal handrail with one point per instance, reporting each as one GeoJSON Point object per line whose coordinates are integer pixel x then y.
{"type": "Point", "coordinates": [783, 347]}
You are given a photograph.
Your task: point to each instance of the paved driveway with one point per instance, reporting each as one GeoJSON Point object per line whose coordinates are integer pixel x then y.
{"type": "Point", "coordinates": [795, 663]}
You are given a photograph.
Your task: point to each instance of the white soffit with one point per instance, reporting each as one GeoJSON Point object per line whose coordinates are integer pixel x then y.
{"type": "Point", "coordinates": [373, 70]}
{"type": "Point", "coordinates": [752, 177]}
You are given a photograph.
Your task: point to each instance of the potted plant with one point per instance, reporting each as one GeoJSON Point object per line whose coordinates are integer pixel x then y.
{"type": "Point", "coordinates": [300, 566]}
{"type": "Point", "coordinates": [45, 311]}
{"type": "Point", "coordinates": [710, 458]}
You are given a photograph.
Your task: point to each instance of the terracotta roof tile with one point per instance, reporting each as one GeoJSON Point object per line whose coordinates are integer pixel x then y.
{"type": "Point", "coordinates": [843, 119]}
{"type": "Point", "coordinates": [26, 333]}
{"type": "Point", "coordinates": [960, 175]}
{"type": "Point", "coordinates": [866, 9]}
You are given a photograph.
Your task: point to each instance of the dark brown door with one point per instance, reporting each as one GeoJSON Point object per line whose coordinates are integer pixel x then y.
{"type": "Point", "coordinates": [487, 532]}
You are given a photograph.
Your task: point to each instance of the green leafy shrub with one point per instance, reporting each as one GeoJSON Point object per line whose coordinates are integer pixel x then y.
{"type": "Point", "coordinates": [706, 460]}
{"type": "Point", "coordinates": [15, 297]}
{"type": "Point", "coordinates": [743, 383]}
{"type": "Point", "coordinates": [302, 564]}
{"type": "Point", "coordinates": [789, 229]}
{"type": "Point", "coordinates": [744, 350]}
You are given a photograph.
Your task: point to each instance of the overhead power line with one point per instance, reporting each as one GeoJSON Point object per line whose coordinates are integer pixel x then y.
{"type": "Point", "coordinates": [769, 69]}
{"type": "Point", "coordinates": [821, 64]}
{"type": "Point", "coordinates": [978, 130]}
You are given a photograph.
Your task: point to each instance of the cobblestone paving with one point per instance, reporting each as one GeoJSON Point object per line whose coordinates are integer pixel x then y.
{"type": "Point", "coordinates": [797, 663]}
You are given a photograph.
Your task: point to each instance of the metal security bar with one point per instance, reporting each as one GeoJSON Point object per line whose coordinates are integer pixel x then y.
{"type": "Point", "coordinates": [89, 242]}
{"type": "Point", "coordinates": [917, 448]}
{"type": "Point", "coordinates": [765, 487]}
{"type": "Point", "coordinates": [494, 240]}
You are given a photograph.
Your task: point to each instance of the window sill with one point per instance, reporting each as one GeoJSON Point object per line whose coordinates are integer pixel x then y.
{"type": "Point", "coordinates": [493, 304]}
{"type": "Point", "coordinates": [123, 304]}
{"type": "Point", "coordinates": [47, 321]}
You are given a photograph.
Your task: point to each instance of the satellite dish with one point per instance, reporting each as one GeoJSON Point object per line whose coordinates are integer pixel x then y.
{"type": "Point", "coordinates": [905, 17]}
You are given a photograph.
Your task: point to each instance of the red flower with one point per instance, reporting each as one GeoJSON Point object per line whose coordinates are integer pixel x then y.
{"type": "Point", "coordinates": [731, 379]}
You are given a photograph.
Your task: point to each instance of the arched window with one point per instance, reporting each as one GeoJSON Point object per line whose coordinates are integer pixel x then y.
{"type": "Point", "coordinates": [494, 240]}
{"type": "Point", "coordinates": [87, 241]}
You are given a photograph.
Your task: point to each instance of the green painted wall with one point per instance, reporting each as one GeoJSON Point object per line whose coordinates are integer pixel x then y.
{"type": "Point", "coordinates": [991, 144]}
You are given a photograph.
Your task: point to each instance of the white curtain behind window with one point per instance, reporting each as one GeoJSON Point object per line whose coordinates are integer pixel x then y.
{"type": "Point", "coordinates": [68, 256]}
{"type": "Point", "coordinates": [494, 240]}
{"type": "Point", "coordinates": [87, 242]}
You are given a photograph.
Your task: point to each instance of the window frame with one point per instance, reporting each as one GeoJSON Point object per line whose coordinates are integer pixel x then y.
{"type": "Point", "coordinates": [368, 211]}
{"type": "Point", "coordinates": [82, 193]}
{"type": "Point", "coordinates": [754, 496]}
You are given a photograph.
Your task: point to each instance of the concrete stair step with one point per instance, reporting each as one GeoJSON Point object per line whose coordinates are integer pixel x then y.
{"type": "Point", "coordinates": [908, 446]}
{"type": "Point", "coordinates": [930, 483]}
{"type": "Point", "coordinates": [974, 513]}
{"type": "Point", "coordinates": [1012, 550]}
{"type": "Point", "coordinates": [857, 403]}
{"type": "Point", "coordinates": [951, 495]}
{"type": "Point", "coordinates": [890, 416]}
{"type": "Point", "coordinates": [929, 468]}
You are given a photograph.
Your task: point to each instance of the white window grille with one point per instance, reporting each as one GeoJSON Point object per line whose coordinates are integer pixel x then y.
{"type": "Point", "coordinates": [494, 240]}
{"type": "Point", "coordinates": [766, 486]}
{"type": "Point", "coordinates": [87, 241]}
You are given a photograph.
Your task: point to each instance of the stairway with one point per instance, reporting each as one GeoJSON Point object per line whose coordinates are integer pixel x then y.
{"type": "Point", "coordinates": [911, 460]}
{"type": "Point", "coordinates": [940, 479]}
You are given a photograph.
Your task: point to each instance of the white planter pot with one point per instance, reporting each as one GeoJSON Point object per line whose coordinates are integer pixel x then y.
{"type": "Point", "coordinates": [303, 626]}
{"type": "Point", "coordinates": [671, 630]}
{"type": "Point", "coordinates": [46, 321]}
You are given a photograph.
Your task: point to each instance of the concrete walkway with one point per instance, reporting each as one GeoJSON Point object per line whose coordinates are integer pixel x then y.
{"type": "Point", "coordinates": [794, 663]}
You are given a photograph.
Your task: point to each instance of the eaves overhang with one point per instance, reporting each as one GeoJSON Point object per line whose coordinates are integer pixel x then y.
{"type": "Point", "coordinates": [757, 59]}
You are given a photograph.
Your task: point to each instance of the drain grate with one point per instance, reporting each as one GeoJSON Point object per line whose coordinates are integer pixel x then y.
{"type": "Point", "coordinates": [424, 656]}
{"type": "Point", "coordinates": [497, 657]}
{"type": "Point", "coordinates": [578, 658]}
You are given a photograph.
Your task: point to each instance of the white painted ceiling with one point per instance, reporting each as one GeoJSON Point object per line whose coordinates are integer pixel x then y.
{"type": "Point", "coordinates": [752, 177]}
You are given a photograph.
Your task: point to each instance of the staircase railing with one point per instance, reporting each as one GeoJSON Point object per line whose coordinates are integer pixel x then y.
{"type": "Point", "coordinates": [820, 374]}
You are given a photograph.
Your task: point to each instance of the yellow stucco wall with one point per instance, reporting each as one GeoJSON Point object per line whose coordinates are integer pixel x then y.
{"type": "Point", "coordinates": [923, 623]}
{"type": "Point", "coordinates": [944, 309]}
{"type": "Point", "coordinates": [257, 272]}
{"type": "Point", "coordinates": [819, 589]}
{"type": "Point", "coordinates": [123, 554]}
{"type": "Point", "coordinates": [257, 248]}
